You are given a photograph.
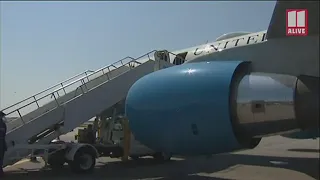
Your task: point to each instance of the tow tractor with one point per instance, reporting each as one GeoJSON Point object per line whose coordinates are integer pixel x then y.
{"type": "Point", "coordinates": [113, 139]}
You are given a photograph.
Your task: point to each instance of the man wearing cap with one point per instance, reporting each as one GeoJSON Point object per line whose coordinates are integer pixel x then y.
{"type": "Point", "coordinates": [3, 145]}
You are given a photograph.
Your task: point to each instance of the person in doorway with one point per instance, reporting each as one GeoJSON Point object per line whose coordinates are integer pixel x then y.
{"type": "Point", "coordinates": [91, 138]}
{"type": "Point", "coordinates": [3, 145]}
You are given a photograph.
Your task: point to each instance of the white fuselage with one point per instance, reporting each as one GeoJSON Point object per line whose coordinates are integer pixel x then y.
{"type": "Point", "coordinates": [289, 55]}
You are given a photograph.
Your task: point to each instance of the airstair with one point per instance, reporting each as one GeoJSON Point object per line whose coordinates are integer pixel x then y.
{"type": "Point", "coordinates": [59, 109]}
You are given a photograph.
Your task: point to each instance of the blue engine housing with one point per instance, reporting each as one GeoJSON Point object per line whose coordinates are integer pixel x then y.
{"type": "Point", "coordinates": [185, 109]}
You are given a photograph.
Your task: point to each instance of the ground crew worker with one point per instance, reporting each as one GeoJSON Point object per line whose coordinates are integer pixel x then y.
{"type": "Point", "coordinates": [95, 126]}
{"type": "Point", "coordinates": [3, 145]}
{"type": "Point", "coordinates": [91, 138]}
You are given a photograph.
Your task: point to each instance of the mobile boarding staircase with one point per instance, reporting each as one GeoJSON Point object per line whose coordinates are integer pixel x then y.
{"type": "Point", "coordinates": [61, 108]}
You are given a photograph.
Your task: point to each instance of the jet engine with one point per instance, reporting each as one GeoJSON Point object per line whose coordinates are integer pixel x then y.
{"type": "Point", "coordinates": [214, 107]}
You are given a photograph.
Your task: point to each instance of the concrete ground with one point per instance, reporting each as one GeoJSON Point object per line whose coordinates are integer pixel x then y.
{"type": "Point", "coordinates": [275, 158]}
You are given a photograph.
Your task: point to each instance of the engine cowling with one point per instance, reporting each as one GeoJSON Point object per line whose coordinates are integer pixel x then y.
{"type": "Point", "coordinates": [210, 107]}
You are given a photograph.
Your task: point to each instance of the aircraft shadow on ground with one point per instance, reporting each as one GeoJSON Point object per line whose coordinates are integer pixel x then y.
{"type": "Point", "coordinates": [173, 170]}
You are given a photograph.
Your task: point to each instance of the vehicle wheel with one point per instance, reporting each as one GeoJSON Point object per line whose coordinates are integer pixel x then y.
{"type": "Point", "coordinates": [57, 160]}
{"type": "Point", "coordinates": [136, 158]}
{"type": "Point", "coordinates": [84, 161]}
{"type": "Point", "coordinates": [162, 157]}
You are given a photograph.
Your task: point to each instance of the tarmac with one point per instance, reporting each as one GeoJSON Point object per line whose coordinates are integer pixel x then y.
{"type": "Point", "coordinates": [276, 158]}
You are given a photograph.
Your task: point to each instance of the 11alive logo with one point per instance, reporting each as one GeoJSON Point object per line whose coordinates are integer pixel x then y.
{"type": "Point", "coordinates": [297, 22]}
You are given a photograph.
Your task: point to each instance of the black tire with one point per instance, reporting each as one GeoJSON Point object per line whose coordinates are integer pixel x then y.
{"type": "Point", "coordinates": [84, 160]}
{"type": "Point", "coordinates": [162, 157]}
{"type": "Point", "coordinates": [57, 160]}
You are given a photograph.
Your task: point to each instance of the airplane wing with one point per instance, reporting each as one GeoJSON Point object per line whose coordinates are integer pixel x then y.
{"type": "Point", "coordinates": [277, 26]}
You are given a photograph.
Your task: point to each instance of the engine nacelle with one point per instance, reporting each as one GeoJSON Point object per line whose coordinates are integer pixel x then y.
{"type": "Point", "coordinates": [210, 107]}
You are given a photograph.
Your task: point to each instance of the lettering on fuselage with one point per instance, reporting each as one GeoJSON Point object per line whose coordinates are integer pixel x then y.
{"type": "Point", "coordinates": [216, 47]}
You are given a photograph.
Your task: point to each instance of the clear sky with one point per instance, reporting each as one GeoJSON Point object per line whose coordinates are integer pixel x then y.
{"type": "Point", "coordinates": [43, 43]}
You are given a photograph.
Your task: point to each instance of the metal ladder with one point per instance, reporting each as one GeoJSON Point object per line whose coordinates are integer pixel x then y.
{"type": "Point", "coordinates": [58, 95]}
{"type": "Point", "coordinates": [76, 83]}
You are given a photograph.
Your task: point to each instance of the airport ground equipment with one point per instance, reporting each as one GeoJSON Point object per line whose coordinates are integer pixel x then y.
{"type": "Point", "coordinates": [115, 140]}
{"type": "Point", "coordinates": [45, 116]}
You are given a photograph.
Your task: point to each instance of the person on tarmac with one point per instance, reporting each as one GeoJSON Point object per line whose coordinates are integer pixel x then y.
{"type": "Point", "coordinates": [3, 145]}
{"type": "Point", "coordinates": [91, 138]}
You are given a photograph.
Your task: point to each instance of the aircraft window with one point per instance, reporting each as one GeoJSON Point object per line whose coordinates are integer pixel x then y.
{"type": "Point", "coordinates": [180, 58]}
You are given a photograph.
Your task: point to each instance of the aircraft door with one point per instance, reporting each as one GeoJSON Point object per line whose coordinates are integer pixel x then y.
{"type": "Point", "coordinates": [180, 58]}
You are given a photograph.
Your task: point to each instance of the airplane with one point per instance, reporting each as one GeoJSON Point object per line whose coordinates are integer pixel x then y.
{"type": "Point", "coordinates": [227, 95]}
